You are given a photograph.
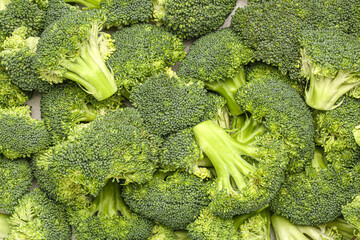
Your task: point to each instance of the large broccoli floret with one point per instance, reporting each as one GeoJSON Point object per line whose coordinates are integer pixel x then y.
{"type": "Point", "coordinates": [330, 62]}
{"type": "Point", "coordinates": [73, 48]}
{"type": "Point", "coordinates": [108, 217]}
{"type": "Point", "coordinates": [316, 195]}
{"type": "Point", "coordinates": [15, 181]}
{"type": "Point", "coordinates": [21, 135]}
{"type": "Point", "coordinates": [192, 18]}
{"type": "Point", "coordinates": [58, 9]}
{"type": "Point", "coordinates": [113, 146]}
{"type": "Point", "coordinates": [18, 57]}
{"type": "Point", "coordinates": [142, 51]}
{"type": "Point", "coordinates": [10, 94]}
{"type": "Point", "coordinates": [218, 60]}
{"type": "Point", "coordinates": [173, 199]}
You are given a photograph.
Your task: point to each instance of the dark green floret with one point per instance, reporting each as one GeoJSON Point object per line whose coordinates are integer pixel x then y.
{"type": "Point", "coordinates": [10, 94]}
{"type": "Point", "coordinates": [21, 135]}
{"type": "Point", "coordinates": [58, 9]}
{"type": "Point", "coordinates": [218, 60]}
{"type": "Point", "coordinates": [74, 48]}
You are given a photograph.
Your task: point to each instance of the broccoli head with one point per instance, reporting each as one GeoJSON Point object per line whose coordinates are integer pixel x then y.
{"type": "Point", "coordinates": [10, 94]}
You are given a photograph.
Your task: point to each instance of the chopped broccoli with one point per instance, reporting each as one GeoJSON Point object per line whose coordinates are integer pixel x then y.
{"type": "Point", "coordinates": [10, 94]}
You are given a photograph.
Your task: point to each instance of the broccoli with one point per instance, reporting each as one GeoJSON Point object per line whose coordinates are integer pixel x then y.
{"type": "Point", "coordinates": [21, 135]}
{"type": "Point", "coordinates": [142, 51]}
{"type": "Point", "coordinates": [4, 224]}
{"type": "Point", "coordinates": [88, 3]}
{"type": "Point", "coordinates": [348, 231]}
{"type": "Point", "coordinates": [161, 232]}
{"type": "Point", "coordinates": [113, 146]}
{"type": "Point", "coordinates": [10, 94]}
{"type": "Point", "coordinates": [18, 58]}
{"type": "Point", "coordinates": [73, 48]}
{"type": "Point", "coordinates": [285, 230]}
{"type": "Point", "coordinates": [173, 199]}
{"type": "Point", "coordinates": [58, 9]}
{"type": "Point", "coordinates": [218, 60]}
{"type": "Point", "coordinates": [15, 181]}
{"type": "Point", "coordinates": [108, 217]}
{"type": "Point", "coordinates": [330, 62]}
{"type": "Point", "coordinates": [192, 18]}
{"type": "Point", "coordinates": [351, 212]}
{"type": "Point", "coordinates": [316, 195]}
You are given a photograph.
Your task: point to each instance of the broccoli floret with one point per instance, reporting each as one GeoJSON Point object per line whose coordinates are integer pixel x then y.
{"type": "Point", "coordinates": [142, 51]}
{"type": "Point", "coordinates": [108, 217]}
{"type": "Point", "coordinates": [58, 9]}
{"type": "Point", "coordinates": [113, 146]}
{"type": "Point", "coordinates": [15, 181]}
{"type": "Point", "coordinates": [192, 18]}
{"type": "Point", "coordinates": [161, 232]}
{"type": "Point", "coordinates": [10, 94]}
{"type": "Point", "coordinates": [316, 195]}
{"type": "Point", "coordinates": [73, 48]}
{"type": "Point", "coordinates": [218, 60]}
{"type": "Point", "coordinates": [173, 199]}
{"type": "Point", "coordinates": [351, 212]}
{"type": "Point", "coordinates": [330, 62]}
{"type": "Point", "coordinates": [18, 58]}
{"type": "Point", "coordinates": [21, 135]}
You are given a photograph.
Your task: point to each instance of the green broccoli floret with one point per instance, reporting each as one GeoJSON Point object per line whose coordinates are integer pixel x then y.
{"type": "Point", "coordinates": [15, 181]}
{"type": "Point", "coordinates": [10, 94]}
{"type": "Point", "coordinates": [21, 135]}
{"type": "Point", "coordinates": [330, 62]}
{"type": "Point", "coordinates": [316, 195]}
{"type": "Point", "coordinates": [192, 18]}
{"type": "Point", "coordinates": [108, 217]}
{"type": "Point", "coordinates": [351, 212]}
{"type": "Point", "coordinates": [142, 51]}
{"type": "Point", "coordinates": [173, 199]}
{"type": "Point", "coordinates": [285, 230]}
{"type": "Point", "coordinates": [74, 48]}
{"type": "Point", "coordinates": [161, 232]}
{"type": "Point", "coordinates": [58, 9]}
{"type": "Point", "coordinates": [18, 57]}
{"type": "Point", "coordinates": [218, 60]}
{"type": "Point", "coordinates": [113, 146]}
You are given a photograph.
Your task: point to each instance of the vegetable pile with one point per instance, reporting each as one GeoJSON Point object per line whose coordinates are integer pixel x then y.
{"type": "Point", "coordinates": [256, 128]}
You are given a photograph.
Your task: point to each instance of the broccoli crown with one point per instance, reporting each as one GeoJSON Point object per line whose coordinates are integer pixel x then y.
{"type": "Point", "coordinates": [330, 61]}
{"type": "Point", "coordinates": [18, 59]}
{"type": "Point", "coordinates": [18, 13]}
{"type": "Point", "coordinates": [333, 132]}
{"type": "Point", "coordinates": [125, 12]}
{"type": "Point", "coordinates": [316, 195]}
{"type": "Point", "coordinates": [192, 18]}
{"type": "Point", "coordinates": [351, 212]}
{"type": "Point", "coordinates": [10, 94]}
{"type": "Point", "coordinates": [284, 116]}
{"type": "Point", "coordinates": [20, 134]}
{"type": "Point", "coordinates": [169, 105]}
{"type": "Point", "coordinates": [38, 217]}
{"type": "Point", "coordinates": [107, 217]}
{"type": "Point", "coordinates": [58, 9]}
{"type": "Point", "coordinates": [173, 199]}
{"type": "Point", "coordinates": [15, 181]}
{"type": "Point", "coordinates": [218, 60]}
{"type": "Point", "coordinates": [74, 48]}
{"type": "Point", "coordinates": [114, 145]}
{"type": "Point", "coordinates": [142, 51]}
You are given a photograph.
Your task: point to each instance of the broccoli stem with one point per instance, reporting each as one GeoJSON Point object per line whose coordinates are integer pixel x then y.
{"type": "Point", "coordinates": [318, 160]}
{"type": "Point", "coordinates": [345, 229]}
{"type": "Point", "coordinates": [86, 115]}
{"type": "Point", "coordinates": [285, 230]}
{"type": "Point", "coordinates": [247, 129]}
{"type": "Point", "coordinates": [228, 90]}
{"type": "Point", "coordinates": [181, 235]}
{"type": "Point", "coordinates": [4, 225]}
{"type": "Point", "coordinates": [87, 3]}
{"type": "Point", "coordinates": [324, 92]}
{"type": "Point", "coordinates": [89, 69]}
{"type": "Point", "coordinates": [225, 155]}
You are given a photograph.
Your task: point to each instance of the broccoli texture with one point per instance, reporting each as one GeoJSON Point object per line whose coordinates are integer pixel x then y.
{"type": "Point", "coordinates": [192, 18]}
{"type": "Point", "coordinates": [10, 94]}
{"type": "Point", "coordinates": [218, 60]}
{"type": "Point", "coordinates": [58, 9]}
{"type": "Point", "coordinates": [20, 134]}
{"type": "Point", "coordinates": [173, 199]}
{"type": "Point", "coordinates": [74, 48]}
{"type": "Point", "coordinates": [15, 181]}
{"type": "Point", "coordinates": [142, 51]}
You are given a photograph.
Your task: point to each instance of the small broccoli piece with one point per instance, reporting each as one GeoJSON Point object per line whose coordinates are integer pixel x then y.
{"type": "Point", "coordinates": [316, 195]}
{"type": "Point", "coordinates": [192, 18]}
{"type": "Point", "coordinates": [218, 60]}
{"type": "Point", "coordinates": [58, 9]}
{"type": "Point", "coordinates": [173, 199]}
{"type": "Point", "coordinates": [20, 134]}
{"type": "Point", "coordinates": [18, 57]}
{"type": "Point", "coordinates": [161, 232]}
{"type": "Point", "coordinates": [169, 105]}
{"type": "Point", "coordinates": [36, 217]}
{"type": "Point", "coordinates": [285, 230]}
{"type": "Point", "coordinates": [142, 51]}
{"type": "Point", "coordinates": [74, 48]}
{"type": "Point", "coordinates": [351, 212]}
{"type": "Point", "coordinates": [108, 217]}
{"type": "Point", "coordinates": [15, 181]}
{"type": "Point", "coordinates": [10, 94]}
{"type": "Point", "coordinates": [113, 146]}
{"type": "Point", "coordinates": [330, 62]}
